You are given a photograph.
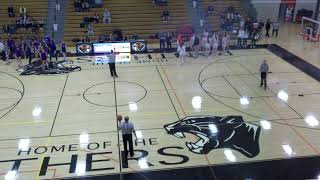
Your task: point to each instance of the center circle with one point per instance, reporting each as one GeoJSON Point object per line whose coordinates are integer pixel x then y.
{"type": "Point", "coordinates": [107, 94]}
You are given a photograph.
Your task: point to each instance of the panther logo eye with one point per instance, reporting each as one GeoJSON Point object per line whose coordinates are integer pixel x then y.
{"type": "Point", "coordinates": [215, 132]}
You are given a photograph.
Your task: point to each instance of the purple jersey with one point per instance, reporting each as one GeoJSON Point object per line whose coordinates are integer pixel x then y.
{"type": "Point", "coordinates": [18, 52]}
{"type": "Point", "coordinates": [43, 55]}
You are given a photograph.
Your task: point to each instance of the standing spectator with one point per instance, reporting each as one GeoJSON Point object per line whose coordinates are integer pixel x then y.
{"type": "Point", "coordinates": [268, 25]}
{"type": "Point", "coordinates": [225, 42]}
{"type": "Point", "coordinates": [162, 38]}
{"type": "Point", "coordinates": [134, 36]}
{"type": "Point", "coordinates": [214, 43]}
{"type": "Point", "coordinates": [264, 69]}
{"type": "Point", "coordinates": [106, 17]}
{"type": "Point", "coordinates": [11, 11]}
{"type": "Point", "coordinates": [275, 28]}
{"type": "Point", "coordinates": [165, 15]}
{"type": "Point", "coordinates": [179, 41]}
{"type": "Point", "coordinates": [194, 4]}
{"type": "Point", "coordinates": [169, 38]}
{"type": "Point", "coordinates": [12, 46]}
{"type": "Point", "coordinates": [242, 24]}
{"type": "Point", "coordinates": [127, 128]}
{"type": "Point", "coordinates": [210, 10]}
{"type": "Point", "coordinates": [112, 64]}
{"type": "Point", "coordinates": [196, 46]}
{"type": "Point", "coordinates": [2, 52]}
{"type": "Point", "coordinates": [64, 50]}
{"type": "Point", "coordinates": [182, 53]}
{"type": "Point", "coordinates": [241, 34]}
{"type": "Point", "coordinates": [90, 30]}
{"type": "Point", "coordinates": [254, 37]}
{"type": "Point", "coordinates": [6, 53]}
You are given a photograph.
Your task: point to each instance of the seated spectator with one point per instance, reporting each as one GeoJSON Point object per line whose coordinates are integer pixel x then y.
{"type": "Point", "coordinates": [166, 15]}
{"type": "Point", "coordinates": [11, 11]}
{"type": "Point", "coordinates": [85, 6]}
{"type": "Point", "coordinates": [210, 10]}
{"type": "Point", "coordinates": [23, 11]}
{"type": "Point", "coordinates": [106, 17]}
{"type": "Point", "coordinates": [96, 17]}
{"type": "Point", "coordinates": [77, 5]}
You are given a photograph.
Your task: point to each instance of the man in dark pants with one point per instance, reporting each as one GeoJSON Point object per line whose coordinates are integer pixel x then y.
{"type": "Point", "coordinates": [264, 69]}
{"type": "Point", "coordinates": [162, 41]}
{"type": "Point", "coordinates": [112, 64]}
{"type": "Point", "coordinates": [127, 129]}
{"type": "Point", "coordinates": [169, 41]}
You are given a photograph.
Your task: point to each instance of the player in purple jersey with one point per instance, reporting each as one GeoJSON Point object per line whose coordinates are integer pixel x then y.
{"type": "Point", "coordinates": [18, 55]}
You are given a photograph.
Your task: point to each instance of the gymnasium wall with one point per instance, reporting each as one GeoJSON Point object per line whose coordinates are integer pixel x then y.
{"type": "Point", "coordinates": [267, 9]}
{"type": "Point", "coordinates": [306, 4]}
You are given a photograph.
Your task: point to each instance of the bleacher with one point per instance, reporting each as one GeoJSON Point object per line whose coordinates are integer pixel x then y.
{"type": "Point", "coordinates": [221, 5]}
{"type": "Point", "coordinates": [141, 17]}
{"type": "Point", "coordinates": [35, 9]}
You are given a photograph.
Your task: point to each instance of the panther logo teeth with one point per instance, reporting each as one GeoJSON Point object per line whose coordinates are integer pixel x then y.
{"type": "Point", "coordinates": [218, 132]}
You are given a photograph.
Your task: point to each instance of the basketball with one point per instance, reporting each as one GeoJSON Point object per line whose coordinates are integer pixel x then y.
{"type": "Point", "coordinates": [119, 117]}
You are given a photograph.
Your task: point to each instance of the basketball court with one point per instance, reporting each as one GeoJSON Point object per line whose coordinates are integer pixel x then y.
{"type": "Point", "coordinates": [204, 113]}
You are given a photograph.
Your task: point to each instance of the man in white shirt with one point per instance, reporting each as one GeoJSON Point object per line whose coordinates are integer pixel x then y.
{"type": "Point", "coordinates": [240, 37]}
{"type": "Point", "coordinates": [107, 17]}
{"type": "Point", "coordinates": [127, 128]}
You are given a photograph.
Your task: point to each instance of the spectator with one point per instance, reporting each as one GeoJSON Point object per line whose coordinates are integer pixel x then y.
{"type": "Point", "coordinates": [162, 38]}
{"type": "Point", "coordinates": [134, 36]}
{"type": "Point", "coordinates": [166, 15]}
{"type": "Point", "coordinates": [275, 28]}
{"type": "Point", "coordinates": [210, 10]}
{"type": "Point", "coordinates": [254, 37]}
{"type": "Point", "coordinates": [169, 38]}
{"type": "Point", "coordinates": [11, 11]}
{"type": "Point", "coordinates": [85, 6]}
{"type": "Point", "coordinates": [90, 30]}
{"type": "Point", "coordinates": [255, 25]}
{"type": "Point", "coordinates": [41, 24]}
{"type": "Point", "coordinates": [268, 25]}
{"type": "Point", "coordinates": [106, 17]}
{"type": "Point", "coordinates": [225, 42]}
{"type": "Point", "coordinates": [241, 35]}
{"type": "Point", "coordinates": [96, 17]}
{"type": "Point", "coordinates": [23, 11]}
{"type": "Point", "coordinates": [77, 5]}
{"type": "Point", "coordinates": [182, 53]}
{"type": "Point", "coordinates": [242, 24]}
{"type": "Point", "coordinates": [194, 3]}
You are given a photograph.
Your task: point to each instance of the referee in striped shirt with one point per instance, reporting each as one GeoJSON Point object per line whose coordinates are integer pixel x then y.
{"type": "Point", "coordinates": [127, 129]}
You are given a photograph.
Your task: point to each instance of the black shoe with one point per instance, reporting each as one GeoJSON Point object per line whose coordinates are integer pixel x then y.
{"type": "Point", "coordinates": [117, 76]}
{"type": "Point", "coordinates": [131, 154]}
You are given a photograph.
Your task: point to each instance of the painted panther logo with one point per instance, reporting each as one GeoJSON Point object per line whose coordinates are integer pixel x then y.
{"type": "Point", "coordinates": [218, 132]}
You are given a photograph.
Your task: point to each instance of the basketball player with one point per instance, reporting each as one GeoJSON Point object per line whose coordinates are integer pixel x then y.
{"type": "Point", "coordinates": [264, 69]}
{"type": "Point", "coordinates": [127, 128]}
{"type": "Point", "coordinates": [112, 64]}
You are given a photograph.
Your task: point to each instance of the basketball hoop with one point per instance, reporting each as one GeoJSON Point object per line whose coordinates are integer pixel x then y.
{"type": "Point", "coordinates": [310, 29]}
